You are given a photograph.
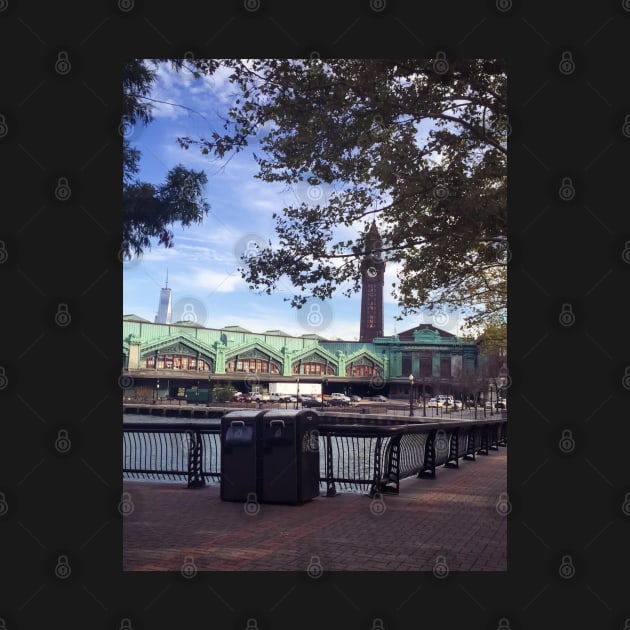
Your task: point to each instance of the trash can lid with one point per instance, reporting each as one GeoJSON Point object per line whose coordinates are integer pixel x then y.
{"type": "Point", "coordinates": [245, 413]}
{"type": "Point", "coordinates": [291, 413]}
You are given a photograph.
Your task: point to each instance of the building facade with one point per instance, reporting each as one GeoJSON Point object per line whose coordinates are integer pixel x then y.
{"type": "Point", "coordinates": [166, 358]}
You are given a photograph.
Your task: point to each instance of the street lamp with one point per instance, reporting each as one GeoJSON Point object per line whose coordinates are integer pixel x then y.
{"type": "Point", "coordinates": [324, 381]}
{"type": "Point", "coordinates": [411, 394]}
{"type": "Point", "coordinates": [297, 395]}
{"type": "Point", "coordinates": [157, 395]}
{"type": "Point", "coordinates": [424, 400]}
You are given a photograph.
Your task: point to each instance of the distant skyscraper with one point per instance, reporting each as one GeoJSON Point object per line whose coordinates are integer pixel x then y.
{"type": "Point", "coordinates": [164, 309]}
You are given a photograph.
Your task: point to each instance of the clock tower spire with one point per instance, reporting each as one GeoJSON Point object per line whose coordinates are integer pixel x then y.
{"type": "Point", "coordinates": [372, 273]}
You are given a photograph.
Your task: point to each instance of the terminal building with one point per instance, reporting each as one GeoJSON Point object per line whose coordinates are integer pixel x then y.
{"type": "Point", "coordinates": [164, 359]}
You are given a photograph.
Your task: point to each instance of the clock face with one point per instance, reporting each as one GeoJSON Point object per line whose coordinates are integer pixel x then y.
{"type": "Point", "coordinates": [372, 272]}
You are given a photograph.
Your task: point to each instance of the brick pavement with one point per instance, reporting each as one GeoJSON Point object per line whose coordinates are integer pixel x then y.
{"type": "Point", "coordinates": [450, 523]}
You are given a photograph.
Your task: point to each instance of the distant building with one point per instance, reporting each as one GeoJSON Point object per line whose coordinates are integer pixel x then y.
{"type": "Point", "coordinates": [169, 356]}
{"type": "Point", "coordinates": [372, 281]}
{"type": "Point", "coordinates": [164, 307]}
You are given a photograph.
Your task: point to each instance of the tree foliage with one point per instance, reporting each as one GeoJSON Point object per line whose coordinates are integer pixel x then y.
{"type": "Point", "coordinates": [224, 394]}
{"type": "Point", "coordinates": [493, 346]}
{"type": "Point", "coordinates": [149, 211]}
{"type": "Point", "coordinates": [418, 145]}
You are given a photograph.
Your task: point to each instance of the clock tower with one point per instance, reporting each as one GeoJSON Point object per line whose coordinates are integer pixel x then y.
{"type": "Point", "coordinates": [372, 274]}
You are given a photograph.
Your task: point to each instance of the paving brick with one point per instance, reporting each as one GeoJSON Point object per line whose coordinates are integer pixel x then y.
{"type": "Point", "coordinates": [452, 515]}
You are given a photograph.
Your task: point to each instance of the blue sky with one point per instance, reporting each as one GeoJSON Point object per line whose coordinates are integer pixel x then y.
{"type": "Point", "coordinates": [203, 264]}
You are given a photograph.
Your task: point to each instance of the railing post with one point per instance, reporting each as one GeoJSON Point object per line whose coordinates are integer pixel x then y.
{"type": "Point", "coordinates": [453, 451]}
{"type": "Point", "coordinates": [428, 469]}
{"type": "Point", "coordinates": [503, 434]}
{"type": "Point", "coordinates": [195, 459]}
{"type": "Point", "coordinates": [483, 442]}
{"type": "Point", "coordinates": [393, 465]}
{"type": "Point", "coordinates": [494, 438]}
{"type": "Point", "coordinates": [331, 491]}
{"type": "Point", "coordinates": [376, 478]}
{"type": "Point", "coordinates": [470, 446]}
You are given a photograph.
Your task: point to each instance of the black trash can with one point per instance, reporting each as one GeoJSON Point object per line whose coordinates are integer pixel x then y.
{"type": "Point", "coordinates": [240, 455]}
{"type": "Point", "coordinates": [290, 456]}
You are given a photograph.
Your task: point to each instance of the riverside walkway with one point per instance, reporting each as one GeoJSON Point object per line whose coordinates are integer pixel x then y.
{"type": "Point", "coordinates": [454, 522]}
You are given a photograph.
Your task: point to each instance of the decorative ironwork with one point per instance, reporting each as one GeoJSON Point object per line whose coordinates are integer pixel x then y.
{"type": "Point", "coordinates": [452, 460]}
{"type": "Point", "coordinates": [377, 476]}
{"type": "Point", "coordinates": [428, 469]}
{"type": "Point", "coordinates": [374, 457]}
{"type": "Point", "coordinates": [470, 444]}
{"type": "Point", "coordinates": [493, 437]}
{"type": "Point", "coordinates": [161, 451]}
{"type": "Point", "coordinates": [503, 434]}
{"type": "Point", "coordinates": [195, 460]}
{"type": "Point", "coordinates": [331, 491]}
{"type": "Point", "coordinates": [483, 441]}
{"type": "Point", "coordinates": [391, 479]}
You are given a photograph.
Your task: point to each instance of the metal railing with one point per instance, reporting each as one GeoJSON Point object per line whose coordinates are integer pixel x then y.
{"type": "Point", "coordinates": [355, 456]}
{"type": "Point", "coordinates": [161, 451]}
{"type": "Point", "coordinates": [400, 451]}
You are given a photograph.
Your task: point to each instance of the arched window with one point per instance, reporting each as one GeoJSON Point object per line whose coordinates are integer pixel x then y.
{"type": "Point", "coordinates": [252, 362]}
{"type": "Point", "coordinates": [362, 368]}
{"type": "Point", "coordinates": [313, 368]}
{"type": "Point", "coordinates": [178, 362]}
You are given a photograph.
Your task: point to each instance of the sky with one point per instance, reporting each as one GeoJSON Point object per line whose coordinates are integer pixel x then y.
{"type": "Point", "coordinates": [202, 266]}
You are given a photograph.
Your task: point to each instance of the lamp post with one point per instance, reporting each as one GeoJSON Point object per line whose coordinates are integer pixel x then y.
{"type": "Point", "coordinates": [491, 407]}
{"type": "Point", "coordinates": [324, 381]}
{"type": "Point", "coordinates": [297, 395]}
{"type": "Point", "coordinates": [157, 393]}
{"type": "Point", "coordinates": [424, 401]}
{"type": "Point", "coordinates": [411, 394]}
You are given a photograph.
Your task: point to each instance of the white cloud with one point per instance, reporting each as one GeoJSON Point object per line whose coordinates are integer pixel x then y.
{"type": "Point", "coordinates": [198, 282]}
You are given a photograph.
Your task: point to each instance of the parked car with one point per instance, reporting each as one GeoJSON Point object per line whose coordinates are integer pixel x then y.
{"type": "Point", "coordinates": [457, 405]}
{"type": "Point", "coordinates": [355, 398]}
{"type": "Point", "coordinates": [277, 397]}
{"type": "Point", "coordinates": [258, 397]}
{"type": "Point", "coordinates": [434, 402]}
{"type": "Point", "coordinates": [339, 396]}
{"type": "Point", "coordinates": [314, 402]}
{"type": "Point", "coordinates": [380, 398]}
{"type": "Point", "coordinates": [243, 398]}
{"type": "Point", "coordinates": [335, 401]}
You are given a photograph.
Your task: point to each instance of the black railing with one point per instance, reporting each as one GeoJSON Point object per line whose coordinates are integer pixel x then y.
{"type": "Point", "coordinates": [162, 451]}
{"type": "Point", "coordinates": [356, 456]}
{"type": "Point", "coordinates": [395, 452]}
